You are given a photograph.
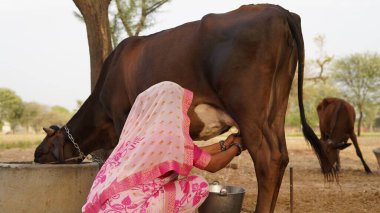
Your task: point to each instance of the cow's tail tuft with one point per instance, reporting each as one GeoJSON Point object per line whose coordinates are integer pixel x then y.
{"type": "Point", "coordinates": [327, 168]}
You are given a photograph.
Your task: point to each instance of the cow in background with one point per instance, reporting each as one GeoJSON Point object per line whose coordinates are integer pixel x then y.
{"type": "Point", "coordinates": [336, 123]}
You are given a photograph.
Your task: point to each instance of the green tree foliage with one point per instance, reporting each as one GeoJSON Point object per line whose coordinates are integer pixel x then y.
{"type": "Point", "coordinates": [358, 78]}
{"type": "Point", "coordinates": [314, 92]}
{"type": "Point", "coordinates": [33, 115]}
{"type": "Point", "coordinates": [30, 115]}
{"type": "Point", "coordinates": [371, 112]}
{"type": "Point", "coordinates": [36, 116]}
{"type": "Point", "coordinates": [11, 107]}
{"type": "Point", "coordinates": [58, 115]}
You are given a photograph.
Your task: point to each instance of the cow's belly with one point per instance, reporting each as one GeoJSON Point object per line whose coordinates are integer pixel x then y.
{"type": "Point", "coordinates": [215, 121]}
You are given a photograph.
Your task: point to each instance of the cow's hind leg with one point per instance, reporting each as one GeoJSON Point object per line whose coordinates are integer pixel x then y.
{"type": "Point", "coordinates": [270, 154]}
{"type": "Point", "coordinates": [270, 159]}
{"type": "Point", "coordinates": [257, 98]}
{"type": "Point", "coordinates": [261, 122]}
{"type": "Point", "coordinates": [359, 153]}
{"type": "Point", "coordinates": [267, 147]}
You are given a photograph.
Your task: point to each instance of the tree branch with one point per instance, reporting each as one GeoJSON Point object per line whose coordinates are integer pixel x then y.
{"type": "Point", "coordinates": [142, 19]}
{"type": "Point", "coordinates": [155, 6]}
{"type": "Point", "coordinates": [316, 78]}
{"type": "Point", "coordinates": [124, 20]}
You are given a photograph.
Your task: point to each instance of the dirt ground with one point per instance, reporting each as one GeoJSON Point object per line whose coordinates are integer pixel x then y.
{"type": "Point", "coordinates": [356, 192]}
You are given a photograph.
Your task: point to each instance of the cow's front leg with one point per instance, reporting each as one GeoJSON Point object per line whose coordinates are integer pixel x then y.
{"type": "Point", "coordinates": [359, 153]}
{"type": "Point", "coordinates": [270, 157]}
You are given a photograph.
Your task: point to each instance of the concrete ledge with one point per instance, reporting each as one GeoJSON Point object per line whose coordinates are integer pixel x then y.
{"type": "Point", "coordinates": [30, 187]}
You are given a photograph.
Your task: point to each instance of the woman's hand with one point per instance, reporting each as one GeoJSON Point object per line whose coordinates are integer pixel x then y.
{"type": "Point", "coordinates": [233, 138]}
{"type": "Point", "coordinates": [222, 146]}
{"type": "Point", "coordinates": [219, 160]}
{"type": "Point", "coordinates": [238, 144]}
{"type": "Point", "coordinates": [229, 140]}
{"type": "Point", "coordinates": [237, 140]}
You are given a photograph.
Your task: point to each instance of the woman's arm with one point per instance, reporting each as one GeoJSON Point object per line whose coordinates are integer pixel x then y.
{"type": "Point", "coordinates": [217, 147]}
{"type": "Point", "coordinates": [212, 149]}
{"type": "Point", "coordinates": [220, 160]}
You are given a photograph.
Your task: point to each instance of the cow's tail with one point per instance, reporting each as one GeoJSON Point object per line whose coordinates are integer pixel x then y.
{"type": "Point", "coordinates": [328, 170]}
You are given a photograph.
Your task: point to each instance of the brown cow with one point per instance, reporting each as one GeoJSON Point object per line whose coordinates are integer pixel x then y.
{"type": "Point", "coordinates": [240, 66]}
{"type": "Point", "coordinates": [336, 123]}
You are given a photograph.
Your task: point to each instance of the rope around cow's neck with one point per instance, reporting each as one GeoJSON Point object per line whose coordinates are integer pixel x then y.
{"type": "Point", "coordinates": [81, 155]}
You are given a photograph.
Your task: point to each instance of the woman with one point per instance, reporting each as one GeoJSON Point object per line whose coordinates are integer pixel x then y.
{"type": "Point", "coordinates": [141, 174]}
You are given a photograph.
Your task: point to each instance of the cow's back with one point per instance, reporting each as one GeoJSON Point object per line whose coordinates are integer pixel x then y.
{"type": "Point", "coordinates": [206, 57]}
{"type": "Point", "coordinates": [194, 54]}
{"type": "Point", "coordinates": [337, 116]}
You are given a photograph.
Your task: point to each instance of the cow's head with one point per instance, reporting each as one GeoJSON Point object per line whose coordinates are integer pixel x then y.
{"type": "Point", "coordinates": [332, 149]}
{"type": "Point", "coordinates": [55, 149]}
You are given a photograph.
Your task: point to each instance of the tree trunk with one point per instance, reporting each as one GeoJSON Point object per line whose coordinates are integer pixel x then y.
{"type": "Point", "coordinates": [360, 121]}
{"type": "Point", "coordinates": [95, 15]}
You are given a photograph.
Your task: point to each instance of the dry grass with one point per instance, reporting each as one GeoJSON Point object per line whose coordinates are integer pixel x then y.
{"type": "Point", "coordinates": [22, 141]}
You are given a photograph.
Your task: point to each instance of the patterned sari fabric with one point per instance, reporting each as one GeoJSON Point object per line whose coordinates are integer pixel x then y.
{"type": "Point", "coordinates": [141, 174]}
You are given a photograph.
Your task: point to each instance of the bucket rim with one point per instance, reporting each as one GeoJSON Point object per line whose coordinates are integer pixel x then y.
{"type": "Point", "coordinates": [241, 189]}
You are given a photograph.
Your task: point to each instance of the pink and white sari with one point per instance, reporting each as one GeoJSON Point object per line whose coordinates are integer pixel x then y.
{"type": "Point", "coordinates": [141, 174]}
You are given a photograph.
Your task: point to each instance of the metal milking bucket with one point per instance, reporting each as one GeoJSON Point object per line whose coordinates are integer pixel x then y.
{"type": "Point", "coordinates": [223, 199]}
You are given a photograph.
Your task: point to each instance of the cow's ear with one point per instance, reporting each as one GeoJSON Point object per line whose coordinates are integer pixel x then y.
{"type": "Point", "coordinates": [49, 131]}
{"type": "Point", "coordinates": [342, 146]}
